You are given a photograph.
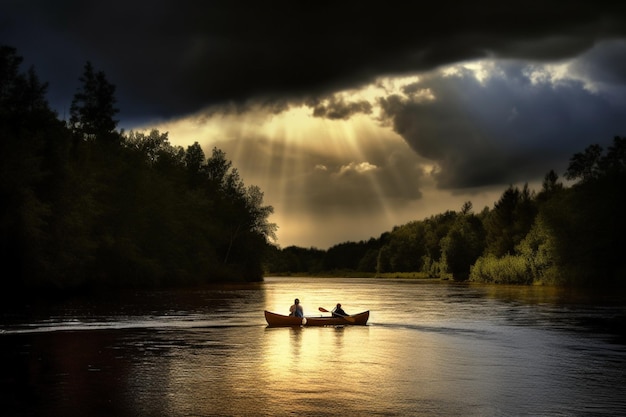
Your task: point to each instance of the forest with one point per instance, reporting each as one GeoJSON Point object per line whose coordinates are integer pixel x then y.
{"type": "Point", "coordinates": [562, 235]}
{"type": "Point", "coordinates": [85, 206]}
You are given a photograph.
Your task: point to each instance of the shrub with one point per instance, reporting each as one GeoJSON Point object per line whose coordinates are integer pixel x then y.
{"type": "Point", "coordinates": [510, 269]}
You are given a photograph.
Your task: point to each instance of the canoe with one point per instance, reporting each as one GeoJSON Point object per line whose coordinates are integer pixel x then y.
{"type": "Point", "coordinates": [279, 320]}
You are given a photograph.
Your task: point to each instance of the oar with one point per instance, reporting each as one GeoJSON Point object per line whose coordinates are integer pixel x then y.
{"type": "Point", "coordinates": [350, 319]}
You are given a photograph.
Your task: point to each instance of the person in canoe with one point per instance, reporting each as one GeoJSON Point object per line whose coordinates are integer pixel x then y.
{"type": "Point", "coordinates": [338, 311]}
{"type": "Point", "coordinates": [296, 309]}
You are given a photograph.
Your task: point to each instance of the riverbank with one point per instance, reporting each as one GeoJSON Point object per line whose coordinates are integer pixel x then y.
{"type": "Point", "coordinates": [357, 274]}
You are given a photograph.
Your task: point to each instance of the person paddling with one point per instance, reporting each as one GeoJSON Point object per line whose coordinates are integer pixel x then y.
{"type": "Point", "coordinates": [338, 311]}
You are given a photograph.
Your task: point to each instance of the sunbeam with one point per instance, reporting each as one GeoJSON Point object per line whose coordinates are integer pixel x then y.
{"type": "Point", "coordinates": [358, 162]}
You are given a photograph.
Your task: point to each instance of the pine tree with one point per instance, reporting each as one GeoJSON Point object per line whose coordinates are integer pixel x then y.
{"type": "Point", "coordinates": [93, 108]}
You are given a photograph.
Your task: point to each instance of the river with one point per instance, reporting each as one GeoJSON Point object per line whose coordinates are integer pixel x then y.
{"type": "Point", "coordinates": [430, 349]}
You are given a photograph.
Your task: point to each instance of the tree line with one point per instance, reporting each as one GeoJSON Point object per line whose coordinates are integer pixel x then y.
{"type": "Point", "coordinates": [561, 235]}
{"type": "Point", "coordinates": [87, 206]}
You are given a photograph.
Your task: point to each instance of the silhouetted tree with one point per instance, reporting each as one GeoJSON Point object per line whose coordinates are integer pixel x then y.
{"type": "Point", "coordinates": [588, 221]}
{"type": "Point", "coordinates": [509, 221]}
{"type": "Point", "coordinates": [79, 214]}
{"type": "Point", "coordinates": [463, 244]}
{"type": "Point", "coordinates": [345, 256]}
{"type": "Point", "coordinates": [28, 129]}
{"type": "Point", "coordinates": [585, 166]}
{"type": "Point", "coordinates": [436, 228]}
{"type": "Point", "coordinates": [550, 187]}
{"type": "Point", "coordinates": [93, 108]}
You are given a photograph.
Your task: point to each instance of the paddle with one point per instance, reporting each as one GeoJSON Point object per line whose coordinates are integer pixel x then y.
{"type": "Point", "coordinates": [350, 319]}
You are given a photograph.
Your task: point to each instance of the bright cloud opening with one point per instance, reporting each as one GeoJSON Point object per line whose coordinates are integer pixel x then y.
{"type": "Point", "coordinates": [363, 160]}
{"type": "Point", "coordinates": [360, 168]}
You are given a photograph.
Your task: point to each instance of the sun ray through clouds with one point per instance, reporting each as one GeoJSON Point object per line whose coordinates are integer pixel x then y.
{"type": "Point", "coordinates": [331, 172]}
{"type": "Point", "coordinates": [312, 170]}
{"type": "Point", "coordinates": [357, 162]}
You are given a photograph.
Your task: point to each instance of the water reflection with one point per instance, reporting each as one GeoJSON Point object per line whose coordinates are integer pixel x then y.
{"type": "Point", "coordinates": [304, 367]}
{"type": "Point", "coordinates": [430, 349]}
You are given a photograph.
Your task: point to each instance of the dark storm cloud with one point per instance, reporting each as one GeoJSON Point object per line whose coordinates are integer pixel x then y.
{"type": "Point", "coordinates": [170, 58]}
{"type": "Point", "coordinates": [605, 63]}
{"type": "Point", "coordinates": [506, 129]}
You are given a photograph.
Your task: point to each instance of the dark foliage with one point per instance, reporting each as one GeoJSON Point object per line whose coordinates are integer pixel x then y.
{"type": "Point", "coordinates": [588, 219]}
{"type": "Point", "coordinates": [86, 207]}
{"type": "Point", "coordinates": [463, 245]}
{"type": "Point", "coordinates": [564, 236]}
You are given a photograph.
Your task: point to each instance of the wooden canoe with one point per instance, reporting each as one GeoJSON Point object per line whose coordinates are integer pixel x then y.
{"type": "Point", "coordinates": [279, 320]}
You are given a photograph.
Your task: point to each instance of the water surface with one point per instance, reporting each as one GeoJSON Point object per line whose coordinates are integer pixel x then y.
{"type": "Point", "coordinates": [429, 349]}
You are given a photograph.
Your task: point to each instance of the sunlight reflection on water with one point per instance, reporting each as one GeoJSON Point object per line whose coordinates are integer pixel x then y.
{"type": "Point", "coordinates": [430, 349]}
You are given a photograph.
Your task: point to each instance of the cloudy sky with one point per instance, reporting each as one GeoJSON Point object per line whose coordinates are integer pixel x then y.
{"type": "Point", "coordinates": [352, 117]}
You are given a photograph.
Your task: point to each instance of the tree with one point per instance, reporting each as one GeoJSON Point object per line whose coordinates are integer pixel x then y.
{"type": "Point", "coordinates": [345, 256]}
{"type": "Point", "coordinates": [509, 221]}
{"type": "Point", "coordinates": [217, 167]}
{"type": "Point", "coordinates": [614, 162]}
{"type": "Point", "coordinates": [436, 228]}
{"type": "Point", "coordinates": [259, 214]}
{"type": "Point", "coordinates": [79, 214]}
{"type": "Point", "coordinates": [585, 166]}
{"type": "Point", "coordinates": [241, 221]}
{"type": "Point", "coordinates": [550, 187]}
{"type": "Point", "coordinates": [593, 165]}
{"type": "Point", "coordinates": [195, 163]}
{"type": "Point", "coordinates": [152, 146]}
{"type": "Point", "coordinates": [26, 126]}
{"type": "Point", "coordinates": [463, 245]}
{"type": "Point", "coordinates": [537, 249]}
{"type": "Point", "coordinates": [588, 221]}
{"type": "Point", "coordinates": [467, 208]}
{"type": "Point", "coordinates": [93, 108]}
